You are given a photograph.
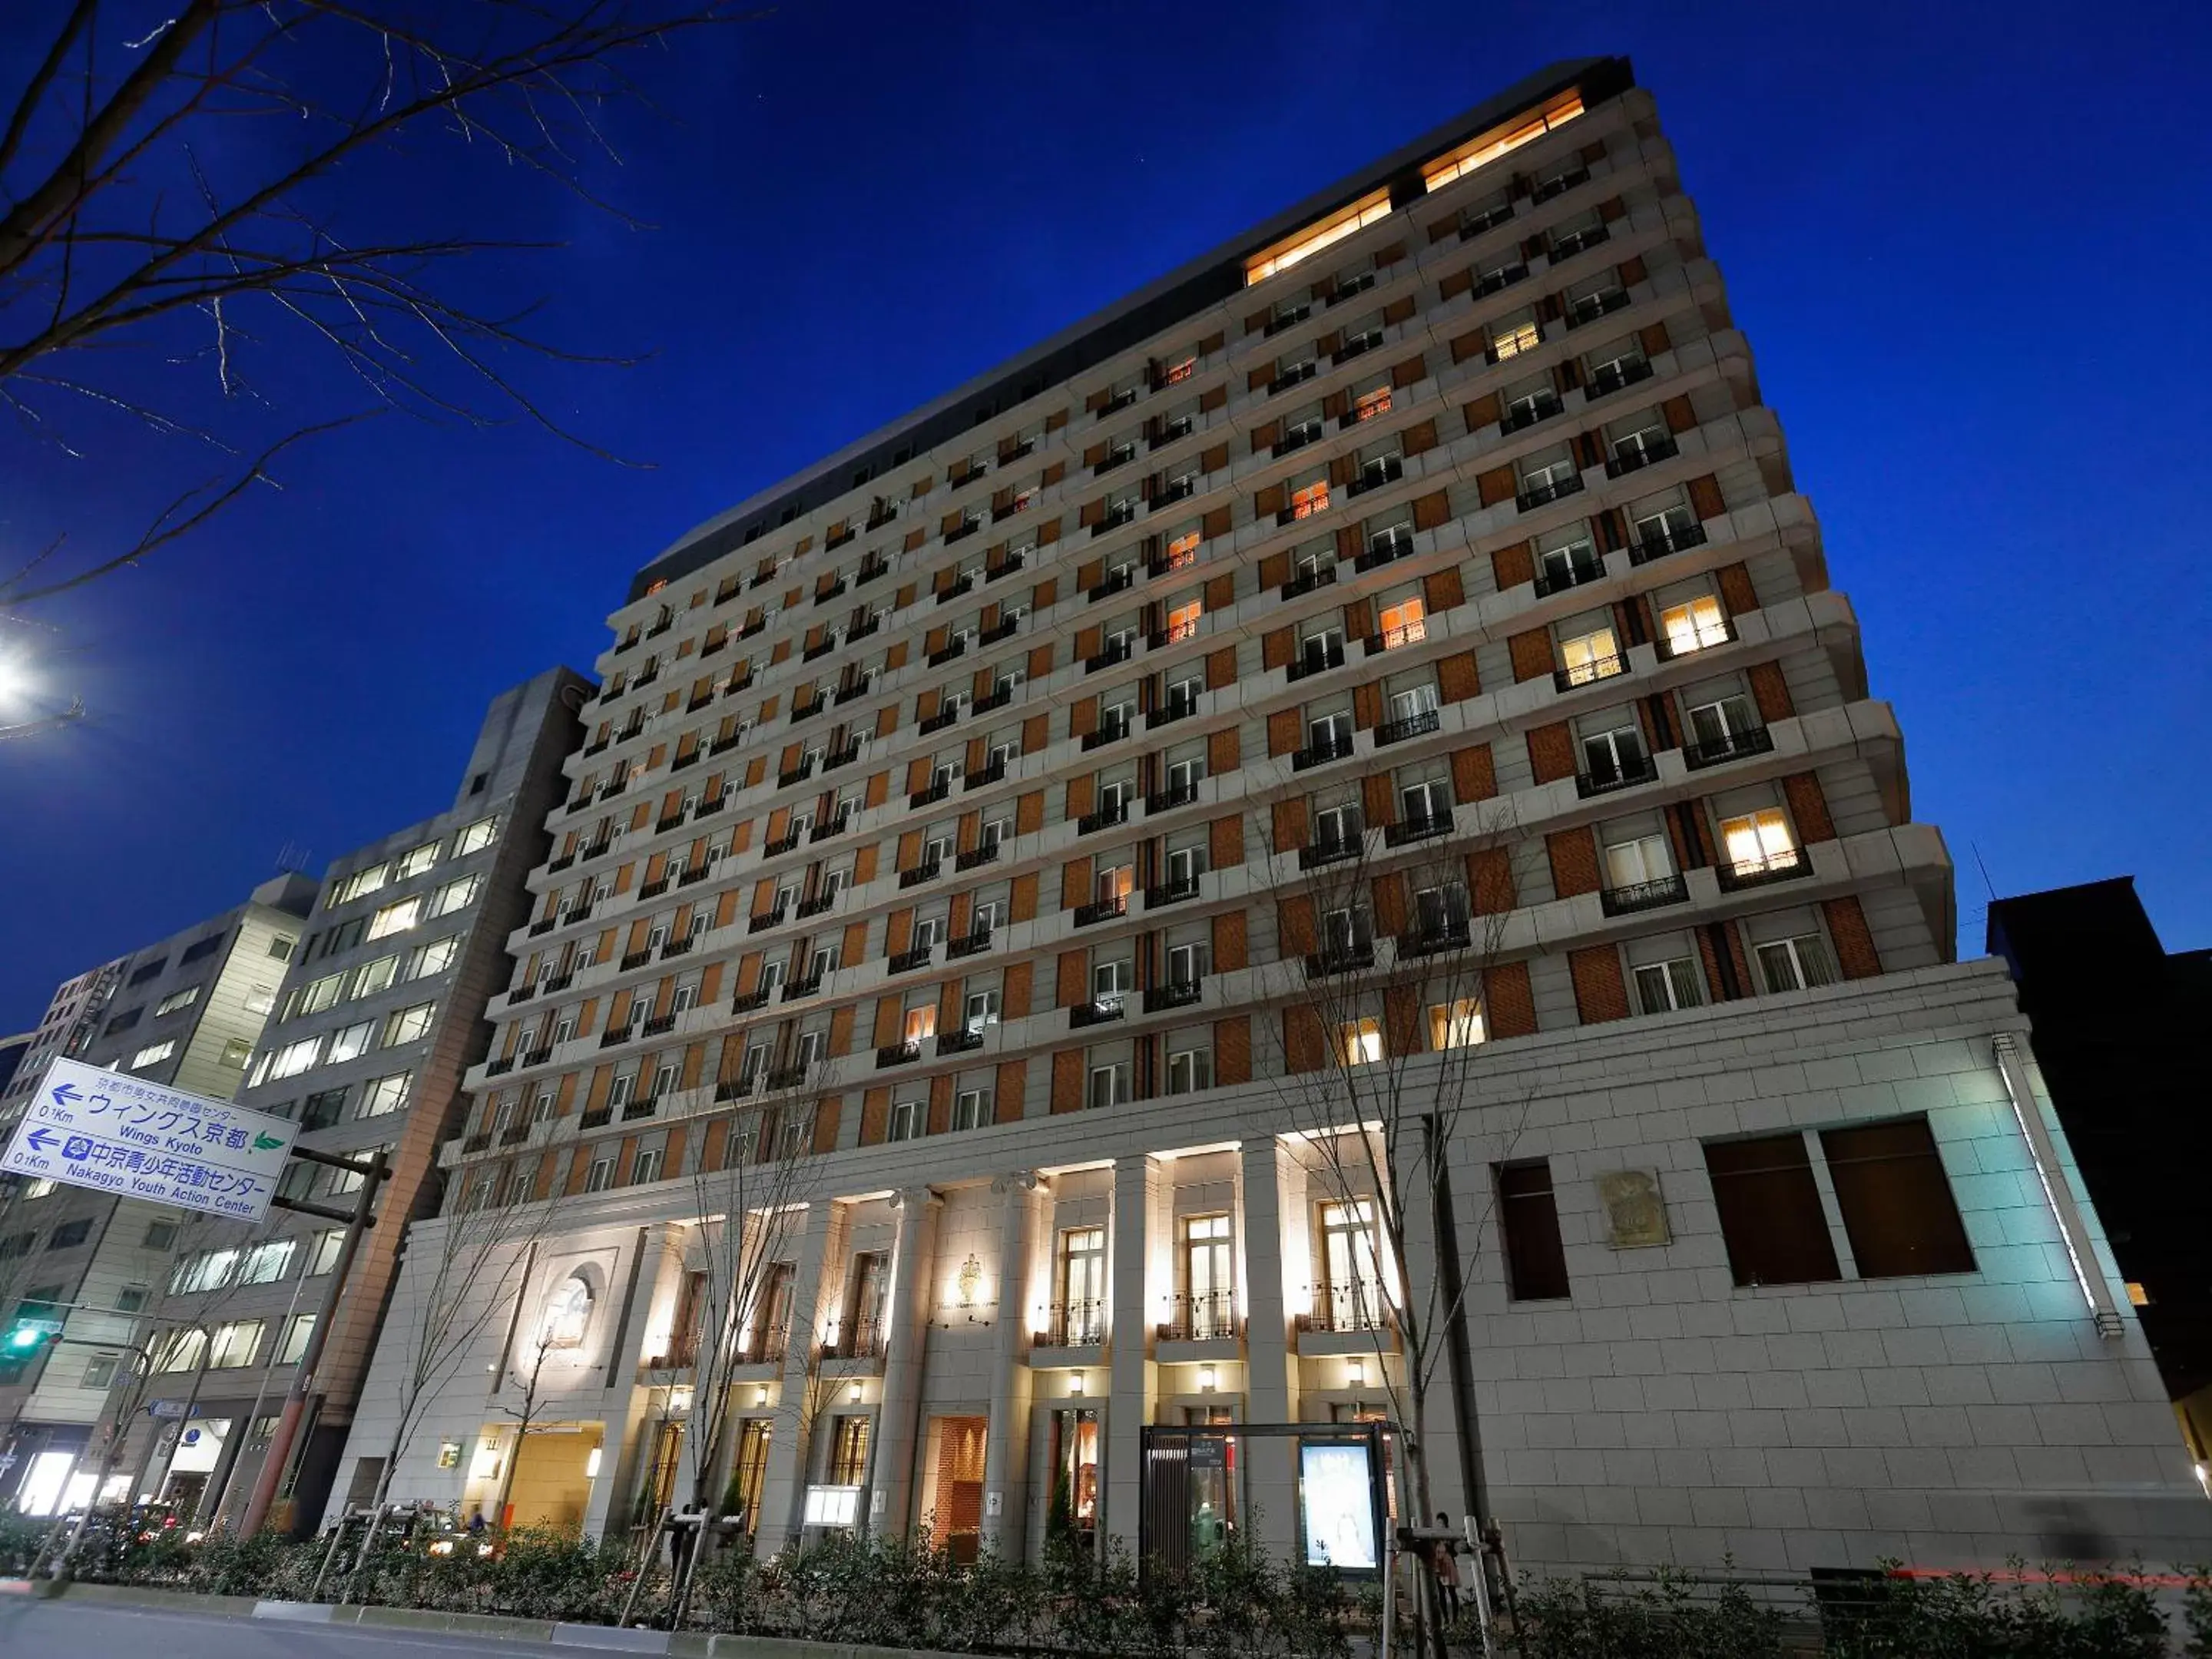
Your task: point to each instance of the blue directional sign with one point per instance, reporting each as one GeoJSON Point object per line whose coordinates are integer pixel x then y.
{"type": "Point", "coordinates": [117, 1134]}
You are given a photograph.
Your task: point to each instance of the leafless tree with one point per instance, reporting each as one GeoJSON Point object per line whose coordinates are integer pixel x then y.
{"type": "Point", "coordinates": [194, 193]}
{"type": "Point", "coordinates": [1392, 934]}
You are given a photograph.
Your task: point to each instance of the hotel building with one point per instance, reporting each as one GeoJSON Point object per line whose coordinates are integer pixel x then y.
{"type": "Point", "coordinates": [991, 817]}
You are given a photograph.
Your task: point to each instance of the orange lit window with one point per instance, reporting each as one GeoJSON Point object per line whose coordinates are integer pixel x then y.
{"type": "Point", "coordinates": [1404, 624]}
{"type": "Point", "coordinates": [1115, 883]}
{"type": "Point", "coordinates": [1310, 500]}
{"type": "Point", "coordinates": [920, 1023]}
{"type": "Point", "coordinates": [1369, 404]}
{"type": "Point", "coordinates": [1303, 244]}
{"type": "Point", "coordinates": [1182, 620]}
{"type": "Point", "coordinates": [1489, 146]}
{"type": "Point", "coordinates": [1181, 371]}
{"type": "Point", "coordinates": [1183, 550]}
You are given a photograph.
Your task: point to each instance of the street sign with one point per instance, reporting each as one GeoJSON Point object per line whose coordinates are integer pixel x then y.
{"type": "Point", "coordinates": [122, 1134]}
{"type": "Point", "coordinates": [171, 1408]}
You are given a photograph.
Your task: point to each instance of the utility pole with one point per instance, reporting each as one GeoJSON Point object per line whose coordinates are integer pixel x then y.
{"type": "Point", "coordinates": [278, 1457]}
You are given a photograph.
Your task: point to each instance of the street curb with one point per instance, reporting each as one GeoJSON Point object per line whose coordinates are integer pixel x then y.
{"type": "Point", "coordinates": [608, 1637]}
{"type": "Point", "coordinates": [302, 1613]}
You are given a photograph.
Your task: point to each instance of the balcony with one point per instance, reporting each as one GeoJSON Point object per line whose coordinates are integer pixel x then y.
{"type": "Point", "coordinates": [1729, 746]}
{"type": "Point", "coordinates": [1175, 994]}
{"type": "Point", "coordinates": [749, 1002]}
{"type": "Point", "coordinates": [786, 1076]}
{"type": "Point", "coordinates": [1577, 567]}
{"type": "Point", "coordinates": [1780, 866]}
{"type": "Point", "coordinates": [1375, 474]}
{"type": "Point", "coordinates": [1612, 377]}
{"type": "Point", "coordinates": [514, 1135]}
{"type": "Point", "coordinates": [1175, 795]}
{"type": "Point", "coordinates": [786, 843]}
{"type": "Point", "coordinates": [821, 648]}
{"type": "Point", "coordinates": [1427, 827]}
{"type": "Point", "coordinates": [960, 1041]}
{"type": "Point", "coordinates": [521, 993]}
{"type": "Point", "coordinates": [635, 959]}
{"type": "Point", "coordinates": [897, 1054]}
{"type": "Point", "coordinates": [837, 538]}
{"type": "Point", "coordinates": [1643, 895]}
{"type": "Point", "coordinates": [1112, 731]}
{"type": "Point", "coordinates": [968, 944]}
{"type": "Point", "coordinates": [1528, 411]}
{"type": "Point", "coordinates": [1591, 306]}
{"type": "Point", "coordinates": [614, 788]}
{"type": "Point", "coordinates": [1297, 374]}
{"type": "Point", "coordinates": [1430, 938]}
{"type": "Point", "coordinates": [1355, 345]}
{"type": "Point", "coordinates": [766, 919]}
{"type": "Point", "coordinates": [559, 982]}
{"type": "Point", "coordinates": [499, 1068]}
{"type": "Point", "coordinates": [1307, 580]}
{"type": "Point", "coordinates": [1319, 751]}
{"type": "Point", "coordinates": [1283, 319]}
{"type": "Point", "coordinates": [803, 987]}
{"type": "Point", "coordinates": [1340, 959]}
{"type": "Point", "coordinates": [660, 627]}
{"type": "Point", "coordinates": [1180, 488]}
{"type": "Point", "coordinates": [881, 514]}
{"type": "Point", "coordinates": [960, 532]}
{"type": "Point", "coordinates": [713, 646]}
{"type": "Point", "coordinates": [855, 632]}
{"type": "Point", "coordinates": [1073, 1325]}
{"type": "Point", "coordinates": [1004, 629]}
{"type": "Point", "coordinates": [937, 722]}
{"type": "Point", "coordinates": [1172, 891]}
{"type": "Point", "coordinates": [1295, 439]}
{"type": "Point", "coordinates": [1657, 544]}
{"type": "Point", "coordinates": [869, 569]}
{"type": "Point", "coordinates": [1634, 457]}
{"type": "Point", "coordinates": [677, 947]}
{"type": "Point", "coordinates": [800, 711]}
{"type": "Point", "coordinates": [1409, 726]}
{"type": "Point", "coordinates": [1175, 709]}
{"type": "Point", "coordinates": [797, 775]}
{"type": "Point", "coordinates": [1551, 489]}
{"type": "Point", "coordinates": [655, 888]}
{"type": "Point", "coordinates": [905, 961]}
{"type": "Point", "coordinates": [644, 679]}
{"type": "Point", "coordinates": [1559, 184]}
{"type": "Point", "coordinates": [1497, 281]}
{"type": "Point", "coordinates": [817, 905]}
{"type": "Point", "coordinates": [1120, 577]}
{"type": "Point", "coordinates": [736, 1088]}
{"type": "Point", "coordinates": [1624, 775]}
{"type": "Point", "coordinates": [1118, 402]}
{"type": "Point", "coordinates": [598, 1118]}
{"type": "Point", "coordinates": [1099, 910]}
{"type": "Point", "coordinates": [743, 681]}
{"type": "Point", "coordinates": [1316, 658]}
{"type": "Point", "coordinates": [984, 776]}
{"type": "Point", "coordinates": [1578, 241]}
{"type": "Point", "coordinates": [1347, 1309]}
{"type": "Point", "coordinates": [976, 857]}
{"type": "Point", "coordinates": [1104, 818]}
{"type": "Point", "coordinates": [1103, 1011]}
{"type": "Point", "coordinates": [864, 1342]}
{"type": "Point", "coordinates": [1117, 514]}
{"type": "Point", "coordinates": [854, 692]}
{"type": "Point", "coordinates": [1475, 224]}
{"type": "Point", "coordinates": [919, 875]}
{"type": "Point", "coordinates": [925, 798]}
{"type": "Point", "coordinates": [598, 747]}
{"type": "Point", "coordinates": [1118, 649]}
{"type": "Point", "coordinates": [1006, 567]}
{"type": "Point", "coordinates": [1119, 455]}
{"type": "Point", "coordinates": [1589, 673]}
{"type": "Point", "coordinates": [660, 1025]}
{"type": "Point", "coordinates": [1171, 432]}
{"type": "Point", "coordinates": [828, 828]}
{"type": "Point", "coordinates": [614, 1037]}
{"type": "Point", "coordinates": [752, 628]}
{"type": "Point", "coordinates": [1209, 1317]}
{"type": "Point", "coordinates": [965, 584]}
{"type": "Point", "coordinates": [1330, 849]}
{"type": "Point", "coordinates": [844, 756]}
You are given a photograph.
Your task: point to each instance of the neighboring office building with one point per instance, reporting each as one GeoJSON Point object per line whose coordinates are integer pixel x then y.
{"type": "Point", "coordinates": [2116, 1021]}
{"type": "Point", "coordinates": [972, 777]}
{"type": "Point", "coordinates": [382, 1010]}
{"type": "Point", "coordinates": [187, 1013]}
{"type": "Point", "coordinates": [13, 1049]}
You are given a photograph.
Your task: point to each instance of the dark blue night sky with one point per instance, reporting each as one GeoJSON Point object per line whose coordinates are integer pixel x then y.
{"type": "Point", "coordinates": [1967, 243]}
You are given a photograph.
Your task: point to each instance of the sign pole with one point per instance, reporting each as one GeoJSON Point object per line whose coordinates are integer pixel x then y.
{"type": "Point", "coordinates": [275, 1461]}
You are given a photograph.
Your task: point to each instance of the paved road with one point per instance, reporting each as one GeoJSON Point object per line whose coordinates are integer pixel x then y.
{"type": "Point", "coordinates": [61, 1630]}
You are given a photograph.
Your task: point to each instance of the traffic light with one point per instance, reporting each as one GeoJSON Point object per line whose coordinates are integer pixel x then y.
{"type": "Point", "coordinates": [25, 1338]}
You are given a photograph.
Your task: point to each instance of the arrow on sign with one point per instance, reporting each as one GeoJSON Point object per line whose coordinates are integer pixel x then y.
{"type": "Point", "coordinates": [39, 1139]}
{"type": "Point", "coordinates": [263, 1141]}
{"type": "Point", "coordinates": [66, 1095]}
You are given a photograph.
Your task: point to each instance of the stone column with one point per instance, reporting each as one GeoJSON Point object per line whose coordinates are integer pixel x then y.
{"type": "Point", "coordinates": [1270, 1229]}
{"type": "Point", "coordinates": [623, 1409]}
{"type": "Point", "coordinates": [1418, 1274]}
{"type": "Point", "coordinates": [894, 1446]}
{"type": "Point", "coordinates": [1134, 1377]}
{"type": "Point", "coordinates": [816, 1283]}
{"type": "Point", "coordinates": [1005, 1451]}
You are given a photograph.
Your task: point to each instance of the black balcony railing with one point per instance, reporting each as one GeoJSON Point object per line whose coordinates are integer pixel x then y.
{"type": "Point", "coordinates": [786, 843]}
{"type": "Point", "coordinates": [559, 982]}
{"type": "Point", "coordinates": [1316, 658]}
{"type": "Point", "coordinates": [635, 959]}
{"type": "Point", "coordinates": [937, 722]}
{"type": "Point", "coordinates": [614, 1037]}
{"type": "Point", "coordinates": [1497, 281]}
{"type": "Point", "coordinates": [865, 1340]}
{"type": "Point", "coordinates": [1099, 1011]}
{"type": "Point", "coordinates": [1643, 895]}
{"type": "Point", "coordinates": [905, 961]}
{"type": "Point", "coordinates": [960, 1042]}
{"type": "Point", "coordinates": [1557, 575]}
{"type": "Point", "coordinates": [1373, 475]}
{"type": "Point", "coordinates": [1101, 910]}
{"type": "Point", "coordinates": [1551, 489]}
{"type": "Point", "coordinates": [1356, 1307]}
{"type": "Point", "coordinates": [948, 653]}
{"type": "Point", "coordinates": [1591, 306]}
{"type": "Point", "coordinates": [1105, 817]}
{"type": "Point", "coordinates": [749, 1002]}
{"type": "Point", "coordinates": [1175, 994]}
{"type": "Point", "coordinates": [929, 797]}
{"type": "Point", "coordinates": [1657, 544]}
{"type": "Point", "coordinates": [1427, 826]}
{"type": "Point", "coordinates": [1489, 219]}
{"type": "Point", "coordinates": [655, 888]}
{"type": "Point", "coordinates": [1074, 1325]}
{"type": "Point", "coordinates": [1340, 959]}
{"type": "Point", "coordinates": [1558, 183]}
{"type": "Point", "coordinates": [924, 872]}
{"type": "Point", "coordinates": [1612, 377]}
{"type": "Point", "coordinates": [1616, 774]}
{"type": "Point", "coordinates": [1395, 542]}
{"type": "Point", "coordinates": [1528, 411]}
{"type": "Point", "coordinates": [968, 944]}
{"type": "Point", "coordinates": [786, 1077]}
{"type": "Point", "coordinates": [817, 905]}
{"type": "Point", "coordinates": [1634, 457]}
{"type": "Point", "coordinates": [1732, 745]}
{"type": "Point", "coordinates": [1330, 849]}
{"type": "Point", "coordinates": [976, 857]}
{"type": "Point", "coordinates": [1175, 794]}
{"type": "Point", "coordinates": [1116, 650]}
{"type": "Point", "coordinates": [1306, 580]}
{"type": "Point", "coordinates": [638, 1109]}
{"type": "Point", "coordinates": [766, 919]}
{"type": "Point", "coordinates": [1283, 319]}
{"type": "Point", "coordinates": [1588, 672]}
{"type": "Point", "coordinates": [1175, 709]}
{"type": "Point", "coordinates": [983, 776]}
{"type": "Point", "coordinates": [897, 1054]}
{"type": "Point", "coordinates": [1408, 726]}
{"type": "Point", "coordinates": [598, 1118]}
{"type": "Point", "coordinates": [869, 570]}
{"type": "Point", "coordinates": [1778, 866]}
{"type": "Point", "coordinates": [736, 1088]}
{"type": "Point", "coordinates": [1208, 1316]}
{"type": "Point", "coordinates": [1172, 891]}
{"type": "Point", "coordinates": [1356, 346]}
{"type": "Point", "coordinates": [1578, 241]}
{"type": "Point", "coordinates": [836, 824]}
{"type": "Point", "coordinates": [521, 993]}
{"type": "Point", "coordinates": [1321, 750]}
{"type": "Point", "coordinates": [802, 987]}
{"type": "Point", "coordinates": [676, 947]}
{"type": "Point", "coordinates": [1427, 939]}
{"type": "Point", "coordinates": [1111, 732]}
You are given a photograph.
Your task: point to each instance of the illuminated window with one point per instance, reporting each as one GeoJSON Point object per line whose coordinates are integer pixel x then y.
{"type": "Point", "coordinates": [409, 1024]}
{"type": "Point", "coordinates": [374, 976]}
{"type": "Point", "coordinates": [1182, 550]}
{"type": "Point", "coordinates": [1591, 656]}
{"type": "Point", "coordinates": [1359, 1042]}
{"type": "Point", "coordinates": [154, 1054]}
{"type": "Point", "coordinates": [353, 1041]}
{"type": "Point", "coordinates": [1309, 499]}
{"type": "Point", "coordinates": [360, 885]}
{"type": "Point", "coordinates": [296, 1333]}
{"type": "Point", "coordinates": [176, 999]}
{"type": "Point", "coordinates": [180, 1352]}
{"type": "Point", "coordinates": [848, 1450]}
{"type": "Point", "coordinates": [1368, 404]}
{"type": "Point", "coordinates": [1759, 842]}
{"type": "Point", "coordinates": [1404, 623]}
{"type": "Point", "coordinates": [395, 918]}
{"type": "Point", "coordinates": [415, 861]}
{"type": "Point", "coordinates": [289, 1060]}
{"type": "Point", "coordinates": [234, 1345]}
{"type": "Point", "coordinates": [921, 1022]}
{"type": "Point", "coordinates": [384, 1094]}
{"type": "Point", "coordinates": [434, 958]}
{"type": "Point", "coordinates": [321, 994]}
{"type": "Point", "coordinates": [1489, 146]}
{"type": "Point", "coordinates": [455, 894]}
{"type": "Point", "coordinates": [1457, 1023]}
{"type": "Point", "coordinates": [1514, 340]}
{"type": "Point", "coordinates": [1304, 244]}
{"type": "Point", "coordinates": [1182, 620]}
{"type": "Point", "coordinates": [1352, 1266]}
{"type": "Point", "coordinates": [265, 1262]}
{"type": "Point", "coordinates": [1693, 625]}
{"type": "Point", "coordinates": [1177, 372]}
{"type": "Point", "coordinates": [475, 838]}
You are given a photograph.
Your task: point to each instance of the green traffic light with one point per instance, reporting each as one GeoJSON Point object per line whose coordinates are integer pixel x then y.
{"type": "Point", "coordinates": [24, 1337]}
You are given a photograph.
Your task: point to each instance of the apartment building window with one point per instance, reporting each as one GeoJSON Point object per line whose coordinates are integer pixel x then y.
{"type": "Point", "coordinates": [1352, 1266]}
{"type": "Point", "coordinates": [203, 1270]}
{"type": "Point", "coordinates": [645, 1167]}
{"type": "Point", "coordinates": [1758, 843]}
{"type": "Point", "coordinates": [1347, 932]}
{"type": "Point", "coordinates": [374, 976]}
{"type": "Point", "coordinates": [980, 1009]}
{"type": "Point", "coordinates": [416, 860]}
{"type": "Point", "coordinates": [153, 1053]}
{"type": "Point", "coordinates": [1309, 499]}
{"type": "Point", "coordinates": [160, 1236]}
{"type": "Point", "coordinates": [384, 1094]}
{"type": "Point", "coordinates": [1769, 1211]}
{"type": "Point", "coordinates": [455, 895]}
{"type": "Point", "coordinates": [1338, 827]}
{"type": "Point", "coordinates": [1369, 404]}
{"type": "Point", "coordinates": [265, 1262]}
{"type": "Point", "coordinates": [289, 1060]}
{"type": "Point", "coordinates": [1897, 1209]}
{"type": "Point", "coordinates": [1108, 1085]}
{"type": "Point", "coordinates": [1457, 1023]}
{"type": "Point", "coordinates": [1613, 753]}
{"type": "Point", "coordinates": [920, 1023]}
{"type": "Point", "coordinates": [1404, 621]}
{"type": "Point", "coordinates": [360, 885]}
{"type": "Point", "coordinates": [1183, 616]}
{"type": "Point", "coordinates": [235, 1345]}
{"type": "Point", "coordinates": [1693, 625]}
{"type": "Point", "coordinates": [1513, 336]}
{"type": "Point", "coordinates": [434, 958]}
{"type": "Point", "coordinates": [1112, 979]}
{"type": "Point", "coordinates": [99, 1371]}
{"type": "Point", "coordinates": [1082, 1285]}
{"type": "Point", "coordinates": [351, 1041]}
{"type": "Point", "coordinates": [318, 995]}
{"type": "Point", "coordinates": [1359, 1042]}
{"type": "Point", "coordinates": [1634, 859]}
{"type": "Point", "coordinates": [297, 1330]}
{"type": "Point", "coordinates": [1666, 977]}
{"type": "Point", "coordinates": [848, 1450]}
{"type": "Point", "coordinates": [1209, 1277]}
{"type": "Point", "coordinates": [177, 999]}
{"type": "Point", "coordinates": [1589, 654]}
{"type": "Point", "coordinates": [1565, 558]}
{"type": "Point", "coordinates": [972, 1108]}
{"type": "Point", "coordinates": [907, 1117]}
{"type": "Point", "coordinates": [1424, 802]}
{"type": "Point", "coordinates": [180, 1350]}
{"type": "Point", "coordinates": [132, 1298]}
{"type": "Point", "coordinates": [601, 1174]}
{"type": "Point", "coordinates": [260, 998]}
{"type": "Point", "coordinates": [323, 1255]}
{"type": "Point", "coordinates": [1528, 1219]}
{"type": "Point", "coordinates": [395, 917]}
{"type": "Point", "coordinates": [1190, 1062]}
{"type": "Point", "coordinates": [475, 837]}
{"type": "Point", "coordinates": [1798, 962]}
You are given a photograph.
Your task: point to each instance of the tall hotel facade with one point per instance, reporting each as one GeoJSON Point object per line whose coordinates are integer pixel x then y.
{"type": "Point", "coordinates": [989, 822]}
